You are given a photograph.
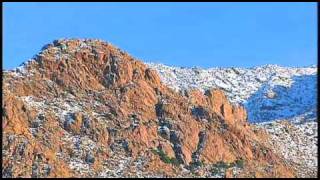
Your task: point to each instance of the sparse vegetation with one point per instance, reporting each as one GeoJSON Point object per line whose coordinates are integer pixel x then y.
{"type": "Point", "coordinates": [165, 158]}
{"type": "Point", "coordinates": [220, 167]}
{"type": "Point", "coordinates": [222, 164]}
{"type": "Point", "coordinates": [240, 163]}
{"type": "Point", "coordinates": [194, 165]}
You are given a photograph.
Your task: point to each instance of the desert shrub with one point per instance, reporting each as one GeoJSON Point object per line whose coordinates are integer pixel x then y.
{"type": "Point", "coordinates": [165, 158]}
{"type": "Point", "coordinates": [239, 163]}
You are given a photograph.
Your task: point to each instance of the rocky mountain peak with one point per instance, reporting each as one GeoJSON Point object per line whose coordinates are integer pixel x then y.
{"type": "Point", "coordinates": [84, 108]}
{"type": "Point", "coordinates": [86, 64]}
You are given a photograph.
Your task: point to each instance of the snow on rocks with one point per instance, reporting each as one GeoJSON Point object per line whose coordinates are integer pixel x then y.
{"type": "Point", "coordinates": [290, 91]}
{"type": "Point", "coordinates": [296, 142]}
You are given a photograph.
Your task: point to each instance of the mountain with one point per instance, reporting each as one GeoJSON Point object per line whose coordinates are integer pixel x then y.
{"type": "Point", "coordinates": [85, 108]}
{"type": "Point", "coordinates": [280, 100]}
{"type": "Point", "coordinates": [268, 92]}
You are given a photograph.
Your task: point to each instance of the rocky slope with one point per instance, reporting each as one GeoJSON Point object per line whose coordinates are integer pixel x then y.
{"type": "Point", "coordinates": [297, 143]}
{"type": "Point", "coordinates": [84, 108]}
{"type": "Point", "coordinates": [283, 98]}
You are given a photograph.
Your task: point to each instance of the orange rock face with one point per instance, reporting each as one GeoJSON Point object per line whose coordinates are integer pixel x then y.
{"type": "Point", "coordinates": [82, 105]}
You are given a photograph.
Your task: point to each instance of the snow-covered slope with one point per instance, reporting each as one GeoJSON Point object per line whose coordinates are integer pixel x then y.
{"type": "Point", "coordinates": [297, 143]}
{"type": "Point", "coordinates": [268, 92]}
{"type": "Point", "coordinates": [272, 102]}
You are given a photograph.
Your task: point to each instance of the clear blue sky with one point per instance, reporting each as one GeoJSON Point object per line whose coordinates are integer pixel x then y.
{"type": "Point", "coordinates": [181, 34]}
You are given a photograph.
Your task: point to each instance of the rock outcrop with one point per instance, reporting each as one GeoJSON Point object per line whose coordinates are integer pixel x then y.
{"type": "Point", "coordinates": [84, 108]}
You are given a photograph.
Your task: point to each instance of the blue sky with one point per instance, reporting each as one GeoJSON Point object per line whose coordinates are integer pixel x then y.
{"type": "Point", "coordinates": [180, 34]}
